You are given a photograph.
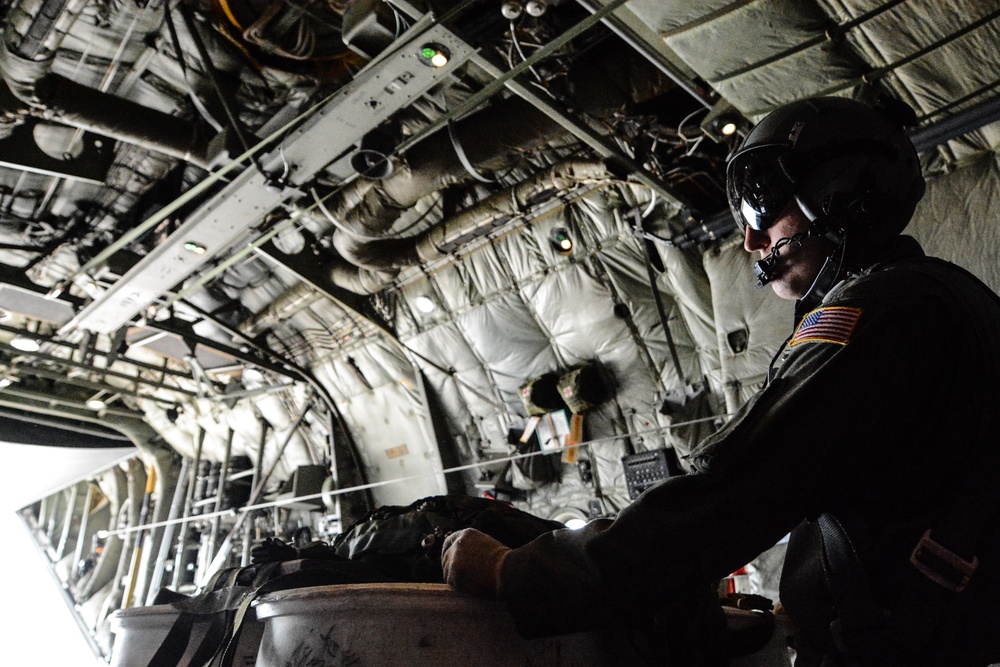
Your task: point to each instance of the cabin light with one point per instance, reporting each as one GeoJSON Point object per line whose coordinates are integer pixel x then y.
{"type": "Point", "coordinates": [434, 55]}
{"type": "Point", "coordinates": [722, 122]}
{"type": "Point", "coordinates": [575, 524]}
{"type": "Point", "coordinates": [561, 241]}
{"type": "Point", "coordinates": [5, 382]}
{"type": "Point", "coordinates": [96, 404]}
{"type": "Point", "coordinates": [252, 375]}
{"type": "Point", "coordinates": [424, 304]}
{"type": "Point", "coordinates": [536, 7]}
{"type": "Point", "coordinates": [511, 9]}
{"type": "Point", "coordinates": [25, 344]}
{"type": "Point", "coordinates": [195, 248]}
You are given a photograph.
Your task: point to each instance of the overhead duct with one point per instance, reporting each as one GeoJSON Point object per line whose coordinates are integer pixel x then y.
{"type": "Point", "coordinates": [487, 139]}
{"type": "Point", "coordinates": [120, 119]}
{"type": "Point", "coordinates": [374, 259]}
{"type": "Point", "coordinates": [34, 32]}
{"type": "Point", "coordinates": [483, 142]}
{"type": "Point", "coordinates": [286, 305]}
{"type": "Point", "coordinates": [357, 280]}
{"type": "Point", "coordinates": [36, 28]}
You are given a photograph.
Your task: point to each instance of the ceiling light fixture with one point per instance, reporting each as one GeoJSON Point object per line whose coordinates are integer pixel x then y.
{"type": "Point", "coordinates": [252, 375]}
{"type": "Point", "coordinates": [722, 121]}
{"type": "Point", "coordinates": [96, 404]}
{"type": "Point", "coordinates": [25, 343]}
{"type": "Point", "coordinates": [561, 241]}
{"type": "Point", "coordinates": [424, 304]}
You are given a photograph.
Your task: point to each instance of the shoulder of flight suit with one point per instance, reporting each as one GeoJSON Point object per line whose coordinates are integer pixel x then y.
{"type": "Point", "coordinates": [871, 331]}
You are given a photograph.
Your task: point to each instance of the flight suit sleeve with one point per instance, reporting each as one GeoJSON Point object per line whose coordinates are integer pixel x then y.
{"type": "Point", "coordinates": [794, 450]}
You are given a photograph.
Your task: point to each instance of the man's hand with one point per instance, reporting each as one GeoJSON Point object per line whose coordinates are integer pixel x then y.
{"type": "Point", "coordinates": [472, 561]}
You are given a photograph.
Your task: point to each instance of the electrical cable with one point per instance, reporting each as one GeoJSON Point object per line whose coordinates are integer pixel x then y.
{"type": "Point", "coordinates": [658, 299]}
{"type": "Point", "coordinates": [195, 100]}
{"type": "Point", "coordinates": [463, 158]}
{"type": "Point", "coordinates": [520, 51]}
{"type": "Point", "coordinates": [680, 126]}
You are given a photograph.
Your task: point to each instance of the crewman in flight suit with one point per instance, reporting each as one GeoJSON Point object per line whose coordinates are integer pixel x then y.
{"type": "Point", "coordinates": [876, 440]}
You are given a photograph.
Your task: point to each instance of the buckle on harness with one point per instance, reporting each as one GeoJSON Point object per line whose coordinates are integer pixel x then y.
{"type": "Point", "coordinates": [941, 565]}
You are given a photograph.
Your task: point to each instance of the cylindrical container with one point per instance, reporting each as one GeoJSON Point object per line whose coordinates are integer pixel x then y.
{"type": "Point", "coordinates": [388, 625]}
{"type": "Point", "coordinates": [140, 631]}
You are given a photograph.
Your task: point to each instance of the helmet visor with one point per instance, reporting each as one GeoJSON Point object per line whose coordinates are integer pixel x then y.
{"type": "Point", "coordinates": [758, 188]}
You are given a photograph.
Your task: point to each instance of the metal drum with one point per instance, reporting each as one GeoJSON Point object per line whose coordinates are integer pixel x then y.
{"type": "Point", "coordinates": [388, 625]}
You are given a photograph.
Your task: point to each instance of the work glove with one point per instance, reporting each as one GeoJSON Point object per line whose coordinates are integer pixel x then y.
{"type": "Point", "coordinates": [472, 561]}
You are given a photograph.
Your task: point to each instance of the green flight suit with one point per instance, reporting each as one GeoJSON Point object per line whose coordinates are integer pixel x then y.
{"type": "Point", "coordinates": [877, 410]}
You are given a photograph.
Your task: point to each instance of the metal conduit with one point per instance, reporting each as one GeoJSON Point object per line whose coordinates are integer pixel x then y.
{"type": "Point", "coordinates": [971, 119]}
{"type": "Point", "coordinates": [167, 540]}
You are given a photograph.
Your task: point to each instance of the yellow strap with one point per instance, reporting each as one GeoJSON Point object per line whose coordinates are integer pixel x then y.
{"type": "Point", "coordinates": [224, 6]}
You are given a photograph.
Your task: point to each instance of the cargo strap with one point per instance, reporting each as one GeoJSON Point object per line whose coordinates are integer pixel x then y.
{"type": "Point", "coordinates": [222, 594]}
{"type": "Point", "coordinates": [225, 604]}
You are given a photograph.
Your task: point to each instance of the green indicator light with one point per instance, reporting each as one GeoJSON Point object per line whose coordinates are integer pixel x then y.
{"type": "Point", "coordinates": [427, 52]}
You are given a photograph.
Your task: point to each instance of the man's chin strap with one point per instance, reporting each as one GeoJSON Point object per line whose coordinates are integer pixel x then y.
{"type": "Point", "coordinates": [765, 267]}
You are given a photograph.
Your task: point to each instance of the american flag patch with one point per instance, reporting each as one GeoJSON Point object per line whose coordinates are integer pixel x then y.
{"type": "Point", "coordinates": [827, 325]}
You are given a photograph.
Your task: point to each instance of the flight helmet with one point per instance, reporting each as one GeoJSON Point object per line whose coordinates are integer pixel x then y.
{"type": "Point", "coordinates": [849, 166]}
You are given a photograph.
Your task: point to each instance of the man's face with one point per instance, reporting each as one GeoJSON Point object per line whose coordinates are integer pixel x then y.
{"type": "Point", "coordinates": [798, 265]}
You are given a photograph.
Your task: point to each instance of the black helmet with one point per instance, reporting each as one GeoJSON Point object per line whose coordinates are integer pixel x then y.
{"type": "Point", "coordinates": [849, 166]}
